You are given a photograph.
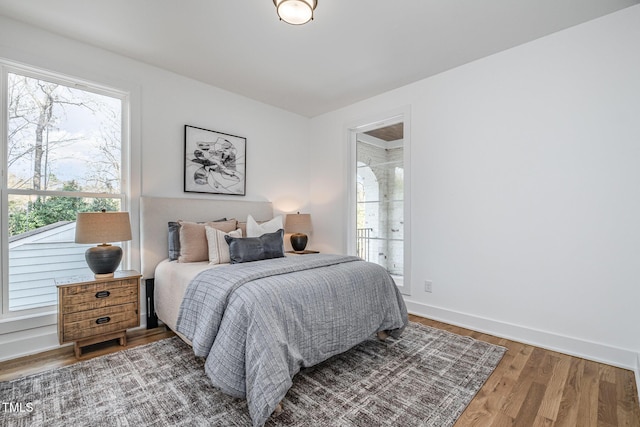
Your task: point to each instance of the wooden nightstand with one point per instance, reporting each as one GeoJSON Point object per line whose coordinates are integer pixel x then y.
{"type": "Point", "coordinates": [94, 310]}
{"type": "Point", "coordinates": [305, 252]}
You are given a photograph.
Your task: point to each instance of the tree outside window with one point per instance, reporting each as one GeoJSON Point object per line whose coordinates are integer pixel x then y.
{"type": "Point", "coordinates": [63, 156]}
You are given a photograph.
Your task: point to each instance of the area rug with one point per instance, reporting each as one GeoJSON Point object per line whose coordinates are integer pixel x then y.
{"type": "Point", "coordinates": [427, 377]}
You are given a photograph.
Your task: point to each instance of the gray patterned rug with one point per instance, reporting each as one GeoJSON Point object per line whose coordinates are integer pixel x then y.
{"type": "Point", "coordinates": [425, 378]}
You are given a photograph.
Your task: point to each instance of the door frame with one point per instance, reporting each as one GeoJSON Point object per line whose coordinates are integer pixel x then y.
{"type": "Point", "coordinates": [376, 121]}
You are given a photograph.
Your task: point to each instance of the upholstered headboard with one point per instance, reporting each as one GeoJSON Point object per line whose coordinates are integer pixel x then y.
{"type": "Point", "coordinates": [156, 212]}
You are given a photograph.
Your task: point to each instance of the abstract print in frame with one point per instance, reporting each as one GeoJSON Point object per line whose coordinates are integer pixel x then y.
{"type": "Point", "coordinates": [214, 162]}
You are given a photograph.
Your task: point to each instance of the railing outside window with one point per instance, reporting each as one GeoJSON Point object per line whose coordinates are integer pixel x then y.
{"type": "Point", "coordinates": [363, 243]}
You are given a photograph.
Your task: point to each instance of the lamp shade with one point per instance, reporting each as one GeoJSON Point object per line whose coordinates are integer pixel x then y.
{"type": "Point", "coordinates": [298, 223]}
{"type": "Point", "coordinates": [102, 227]}
{"type": "Point", "coordinates": [295, 12]}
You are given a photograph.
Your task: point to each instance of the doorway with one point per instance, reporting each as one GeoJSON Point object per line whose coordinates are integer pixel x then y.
{"type": "Point", "coordinates": [379, 200]}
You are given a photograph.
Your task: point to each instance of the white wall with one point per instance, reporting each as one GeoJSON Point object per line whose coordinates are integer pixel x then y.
{"type": "Point", "coordinates": [525, 189]}
{"type": "Point", "coordinates": [276, 140]}
{"type": "Point", "coordinates": [162, 103]}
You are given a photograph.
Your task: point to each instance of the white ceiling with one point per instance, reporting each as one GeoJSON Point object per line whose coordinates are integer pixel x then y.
{"type": "Point", "coordinates": [354, 49]}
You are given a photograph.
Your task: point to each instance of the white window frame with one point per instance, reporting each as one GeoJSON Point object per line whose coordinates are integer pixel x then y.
{"type": "Point", "coordinates": [12, 321]}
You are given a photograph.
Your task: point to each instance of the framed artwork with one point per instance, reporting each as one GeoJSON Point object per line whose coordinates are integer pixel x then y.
{"type": "Point", "coordinates": [214, 162]}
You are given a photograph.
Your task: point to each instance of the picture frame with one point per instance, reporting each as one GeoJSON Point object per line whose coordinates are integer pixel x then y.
{"type": "Point", "coordinates": [214, 162]}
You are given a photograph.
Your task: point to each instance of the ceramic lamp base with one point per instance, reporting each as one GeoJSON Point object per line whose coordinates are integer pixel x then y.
{"type": "Point", "coordinates": [299, 241]}
{"type": "Point", "coordinates": [103, 260]}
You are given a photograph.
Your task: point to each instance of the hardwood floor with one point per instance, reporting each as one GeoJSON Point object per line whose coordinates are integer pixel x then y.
{"type": "Point", "coordinates": [530, 387]}
{"type": "Point", "coordinates": [536, 387]}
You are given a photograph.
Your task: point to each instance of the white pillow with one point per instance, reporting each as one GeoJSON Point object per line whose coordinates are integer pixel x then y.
{"type": "Point", "coordinates": [218, 246]}
{"type": "Point", "coordinates": [256, 230]}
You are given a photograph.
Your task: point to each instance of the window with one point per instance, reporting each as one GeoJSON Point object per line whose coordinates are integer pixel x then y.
{"type": "Point", "coordinates": [64, 152]}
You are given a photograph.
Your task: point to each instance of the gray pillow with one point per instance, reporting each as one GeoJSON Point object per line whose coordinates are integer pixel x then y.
{"type": "Point", "coordinates": [174, 238]}
{"type": "Point", "coordinates": [267, 246]}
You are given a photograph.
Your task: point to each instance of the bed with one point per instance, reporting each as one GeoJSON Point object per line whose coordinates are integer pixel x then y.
{"type": "Point", "coordinates": [258, 323]}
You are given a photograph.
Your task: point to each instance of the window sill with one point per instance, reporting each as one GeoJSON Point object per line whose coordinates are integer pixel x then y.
{"type": "Point", "coordinates": [17, 323]}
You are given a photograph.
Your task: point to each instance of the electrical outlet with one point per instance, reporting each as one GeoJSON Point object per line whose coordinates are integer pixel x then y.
{"type": "Point", "coordinates": [428, 286]}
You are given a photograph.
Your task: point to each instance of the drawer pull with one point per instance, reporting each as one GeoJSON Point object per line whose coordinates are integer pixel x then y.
{"type": "Point", "coordinates": [102, 294]}
{"type": "Point", "coordinates": [103, 320]}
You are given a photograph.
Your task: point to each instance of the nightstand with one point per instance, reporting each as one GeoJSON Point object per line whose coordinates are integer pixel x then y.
{"type": "Point", "coordinates": [305, 252]}
{"type": "Point", "coordinates": [94, 310]}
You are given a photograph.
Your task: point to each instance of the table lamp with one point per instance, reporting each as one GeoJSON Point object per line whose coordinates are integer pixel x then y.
{"type": "Point", "coordinates": [298, 224]}
{"type": "Point", "coordinates": [103, 227]}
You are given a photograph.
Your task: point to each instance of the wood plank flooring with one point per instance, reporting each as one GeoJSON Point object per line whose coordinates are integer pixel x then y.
{"type": "Point", "coordinates": [530, 387]}
{"type": "Point", "coordinates": [536, 387]}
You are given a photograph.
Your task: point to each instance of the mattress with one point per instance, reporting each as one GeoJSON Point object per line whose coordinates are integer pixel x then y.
{"type": "Point", "coordinates": [171, 281]}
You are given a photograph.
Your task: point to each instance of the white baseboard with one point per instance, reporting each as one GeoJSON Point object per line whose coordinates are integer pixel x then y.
{"type": "Point", "coordinates": [637, 372]}
{"type": "Point", "coordinates": [38, 340]}
{"type": "Point", "coordinates": [619, 357]}
{"type": "Point", "coordinates": [25, 343]}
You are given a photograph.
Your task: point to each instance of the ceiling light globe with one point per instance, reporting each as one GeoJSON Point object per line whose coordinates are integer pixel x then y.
{"type": "Point", "coordinates": [295, 12]}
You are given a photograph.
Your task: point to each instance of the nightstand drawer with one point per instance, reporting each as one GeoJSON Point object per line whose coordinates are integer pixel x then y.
{"type": "Point", "coordinates": [93, 295]}
{"type": "Point", "coordinates": [77, 326]}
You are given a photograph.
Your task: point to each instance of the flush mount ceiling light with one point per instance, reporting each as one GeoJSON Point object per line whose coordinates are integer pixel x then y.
{"type": "Point", "coordinates": [295, 12]}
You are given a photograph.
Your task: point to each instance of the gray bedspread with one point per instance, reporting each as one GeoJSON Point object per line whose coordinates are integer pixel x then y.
{"type": "Point", "coordinates": [259, 323]}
